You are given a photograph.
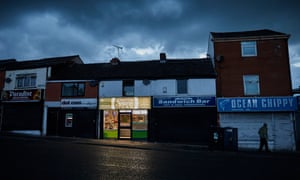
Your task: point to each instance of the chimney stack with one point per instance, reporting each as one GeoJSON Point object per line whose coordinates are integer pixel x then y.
{"type": "Point", "coordinates": [115, 61]}
{"type": "Point", "coordinates": [163, 57]}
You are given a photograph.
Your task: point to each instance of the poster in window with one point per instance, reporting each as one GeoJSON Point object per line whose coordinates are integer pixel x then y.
{"type": "Point", "coordinates": [69, 120]}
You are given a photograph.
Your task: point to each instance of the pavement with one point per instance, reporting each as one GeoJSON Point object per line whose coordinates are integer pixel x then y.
{"type": "Point", "coordinates": [145, 145]}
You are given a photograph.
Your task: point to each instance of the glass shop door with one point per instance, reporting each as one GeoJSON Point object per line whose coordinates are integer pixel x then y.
{"type": "Point", "coordinates": [125, 124]}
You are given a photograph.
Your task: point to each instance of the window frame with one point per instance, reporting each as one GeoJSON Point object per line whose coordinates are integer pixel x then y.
{"type": "Point", "coordinates": [128, 86]}
{"type": "Point", "coordinates": [182, 86]}
{"type": "Point", "coordinates": [247, 80]}
{"type": "Point", "coordinates": [249, 45]}
{"type": "Point", "coordinates": [26, 81]}
{"type": "Point", "coordinates": [75, 91]}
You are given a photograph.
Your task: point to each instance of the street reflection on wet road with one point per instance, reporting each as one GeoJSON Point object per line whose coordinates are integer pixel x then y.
{"type": "Point", "coordinates": [122, 162]}
{"type": "Point", "coordinates": [43, 159]}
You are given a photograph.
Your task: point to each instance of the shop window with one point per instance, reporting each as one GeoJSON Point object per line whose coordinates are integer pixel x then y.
{"type": "Point", "coordinates": [182, 86]}
{"type": "Point", "coordinates": [73, 89]}
{"type": "Point", "coordinates": [248, 48]}
{"type": "Point", "coordinates": [110, 124]}
{"type": "Point", "coordinates": [251, 85]}
{"type": "Point", "coordinates": [139, 124]}
{"type": "Point", "coordinates": [26, 81]}
{"type": "Point", "coordinates": [128, 88]}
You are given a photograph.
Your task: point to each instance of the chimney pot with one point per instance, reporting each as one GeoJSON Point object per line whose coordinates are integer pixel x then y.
{"type": "Point", "coordinates": [163, 57]}
{"type": "Point", "coordinates": [115, 61]}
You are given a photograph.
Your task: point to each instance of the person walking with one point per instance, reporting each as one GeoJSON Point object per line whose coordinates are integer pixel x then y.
{"type": "Point", "coordinates": [263, 134]}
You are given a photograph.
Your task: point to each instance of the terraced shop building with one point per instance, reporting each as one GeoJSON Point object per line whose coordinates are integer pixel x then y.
{"type": "Point", "coordinates": [23, 93]}
{"type": "Point", "coordinates": [254, 86]}
{"type": "Point", "coordinates": [167, 100]}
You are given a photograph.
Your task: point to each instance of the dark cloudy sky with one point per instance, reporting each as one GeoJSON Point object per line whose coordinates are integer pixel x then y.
{"type": "Point", "coordinates": [33, 29]}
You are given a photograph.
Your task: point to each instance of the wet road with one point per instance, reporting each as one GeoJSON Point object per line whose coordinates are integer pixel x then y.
{"type": "Point", "coordinates": [27, 158]}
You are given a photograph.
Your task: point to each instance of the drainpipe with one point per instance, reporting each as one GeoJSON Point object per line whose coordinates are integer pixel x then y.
{"type": "Point", "coordinates": [44, 125]}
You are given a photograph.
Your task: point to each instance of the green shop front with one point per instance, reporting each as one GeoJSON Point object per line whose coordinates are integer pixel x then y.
{"type": "Point", "coordinates": [124, 117]}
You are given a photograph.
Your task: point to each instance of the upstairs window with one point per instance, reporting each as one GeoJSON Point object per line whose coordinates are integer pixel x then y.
{"type": "Point", "coordinates": [251, 85]}
{"type": "Point", "coordinates": [73, 89]}
{"type": "Point", "coordinates": [182, 86]}
{"type": "Point", "coordinates": [128, 88]}
{"type": "Point", "coordinates": [26, 81]}
{"type": "Point", "coordinates": [248, 48]}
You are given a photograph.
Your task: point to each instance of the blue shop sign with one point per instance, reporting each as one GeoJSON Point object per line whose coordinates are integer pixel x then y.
{"type": "Point", "coordinates": [189, 101]}
{"type": "Point", "coordinates": [256, 104]}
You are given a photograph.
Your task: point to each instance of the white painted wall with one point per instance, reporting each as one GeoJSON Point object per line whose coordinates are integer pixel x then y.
{"type": "Point", "coordinates": [164, 87]}
{"type": "Point", "coordinates": [156, 87]}
{"type": "Point", "coordinates": [41, 74]}
{"type": "Point", "coordinates": [202, 87]}
{"type": "Point", "coordinates": [110, 88]}
{"type": "Point", "coordinates": [280, 129]}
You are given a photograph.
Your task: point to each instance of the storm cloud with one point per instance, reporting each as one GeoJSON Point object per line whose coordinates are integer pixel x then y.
{"type": "Point", "coordinates": [33, 29]}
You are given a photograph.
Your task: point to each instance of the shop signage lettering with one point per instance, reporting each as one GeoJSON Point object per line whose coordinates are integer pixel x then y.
{"type": "Point", "coordinates": [67, 102]}
{"type": "Point", "coordinates": [194, 101]}
{"type": "Point", "coordinates": [125, 103]}
{"type": "Point", "coordinates": [22, 95]}
{"type": "Point", "coordinates": [256, 104]}
{"type": "Point", "coordinates": [87, 102]}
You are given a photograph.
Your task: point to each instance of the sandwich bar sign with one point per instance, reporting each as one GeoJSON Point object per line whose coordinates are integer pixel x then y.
{"type": "Point", "coordinates": [256, 104]}
{"type": "Point", "coordinates": [189, 101]}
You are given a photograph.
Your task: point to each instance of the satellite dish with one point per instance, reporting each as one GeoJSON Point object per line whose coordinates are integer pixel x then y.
{"type": "Point", "coordinates": [8, 80]}
{"type": "Point", "coordinates": [146, 82]}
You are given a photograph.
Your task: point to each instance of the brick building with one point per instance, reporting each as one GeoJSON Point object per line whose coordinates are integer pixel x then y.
{"type": "Point", "coordinates": [165, 100]}
{"type": "Point", "coordinates": [253, 85]}
{"type": "Point", "coordinates": [23, 93]}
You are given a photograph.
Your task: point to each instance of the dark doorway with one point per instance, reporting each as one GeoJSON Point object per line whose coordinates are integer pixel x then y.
{"type": "Point", "coordinates": [53, 122]}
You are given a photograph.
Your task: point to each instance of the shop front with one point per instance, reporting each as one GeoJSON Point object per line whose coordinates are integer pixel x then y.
{"type": "Point", "coordinates": [72, 117]}
{"type": "Point", "coordinates": [125, 117]}
{"type": "Point", "coordinates": [22, 111]}
{"type": "Point", "coordinates": [184, 119]}
{"type": "Point", "coordinates": [248, 114]}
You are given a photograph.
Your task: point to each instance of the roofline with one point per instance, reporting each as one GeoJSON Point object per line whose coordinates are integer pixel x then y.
{"type": "Point", "coordinates": [157, 60]}
{"type": "Point", "coordinates": [249, 38]}
{"type": "Point", "coordinates": [49, 58]}
{"type": "Point", "coordinates": [260, 34]}
{"type": "Point", "coordinates": [42, 63]}
{"type": "Point", "coordinates": [71, 80]}
{"type": "Point", "coordinates": [120, 79]}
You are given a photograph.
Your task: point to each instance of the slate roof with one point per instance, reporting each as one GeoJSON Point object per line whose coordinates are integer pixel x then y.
{"type": "Point", "coordinates": [263, 33]}
{"type": "Point", "coordinates": [6, 62]}
{"type": "Point", "coordinates": [154, 69]}
{"type": "Point", "coordinates": [46, 62]}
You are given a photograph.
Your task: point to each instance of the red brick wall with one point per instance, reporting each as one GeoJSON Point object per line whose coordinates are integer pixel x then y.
{"type": "Point", "coordinates": [2, 77]}
{"type": "Point", "coordinates": [271, 64]}
{"type": "Point", "coordinates": [53, 92]}
{"type": "Point", "coordinates": [91, 92]}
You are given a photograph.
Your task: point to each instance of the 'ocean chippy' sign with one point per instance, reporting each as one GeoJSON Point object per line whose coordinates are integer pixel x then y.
{"type": "Point", "coordinates": [248, 104]}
